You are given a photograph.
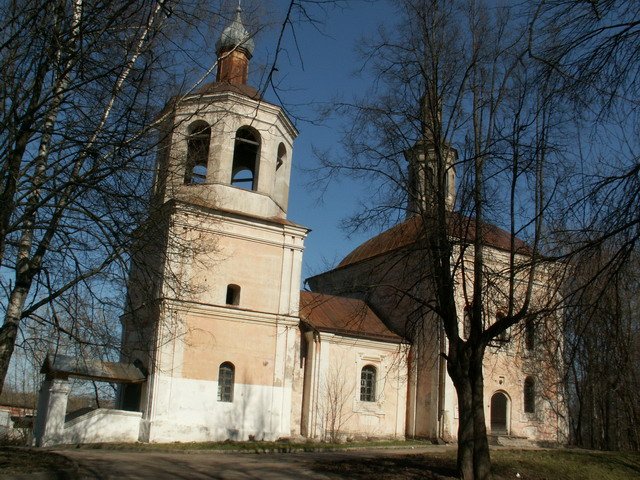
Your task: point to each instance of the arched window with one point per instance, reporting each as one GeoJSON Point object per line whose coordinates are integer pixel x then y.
{"type": "Point", "coordinates": [233, 294]}
{"type": "Point", "coordinates": [226, 374]}
{"type": "Point", "coordinates": [197, 152]}
{"type": "Point", "coordinates": [368, 384]}
{"type": "Point", "coordinates": [503, 337]}
{"type": "Point", "coordinates": [529, 334]}
{"type": "Point", "coordinates": [466, 322]}
{"type": "Point", "coordinates": [245, 159]}
{"type": "Point", "coordinates": [529, 395]}
{"type": "Point", "coordinates": [282, 156]}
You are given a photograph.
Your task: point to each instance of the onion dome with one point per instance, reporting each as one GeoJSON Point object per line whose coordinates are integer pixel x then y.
{"type": "Point", "coordinates": [236, 36]}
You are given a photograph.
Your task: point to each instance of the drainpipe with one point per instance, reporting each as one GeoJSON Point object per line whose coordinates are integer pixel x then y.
{"type": "Point", "coordinates": [441, 383]}
{"type": "Point", "coordinates": [310, 385]}
{"type": "Point", "coordinates": [414, 374]}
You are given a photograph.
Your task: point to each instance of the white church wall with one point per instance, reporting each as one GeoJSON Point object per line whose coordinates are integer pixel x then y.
{"type": "Point", "coordinates": [103, 426]}
{"type": "Point", "coordinates": [337, 409]}
{"type": "Point", "coordinates": [188, 410]}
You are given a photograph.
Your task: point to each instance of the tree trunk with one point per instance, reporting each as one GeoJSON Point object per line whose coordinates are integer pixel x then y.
{"type": "Point", "coordinates": [465, 369]}
{"type": "Point", "coordinates": [464, 462]}
{"type": "Point", "coordinates": [481, 457]}
{"type": "Point", "coordinates": [9, 329]}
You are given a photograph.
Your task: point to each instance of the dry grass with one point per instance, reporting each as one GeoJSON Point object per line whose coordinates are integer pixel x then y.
{"type": "Point", "coordinates": [559, 464]}
{"type": "Point", "coordinates": [28, 460]}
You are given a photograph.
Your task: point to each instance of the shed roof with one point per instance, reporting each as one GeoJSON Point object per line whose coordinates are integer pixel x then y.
{"type": "Point", "coordinates": [343, 316]}
{"type": "Point", "coordinates": [92, 369]}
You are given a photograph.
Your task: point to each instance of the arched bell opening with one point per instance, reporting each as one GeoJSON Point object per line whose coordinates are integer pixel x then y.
{"type": "Point", "coordinates": [244, 173]}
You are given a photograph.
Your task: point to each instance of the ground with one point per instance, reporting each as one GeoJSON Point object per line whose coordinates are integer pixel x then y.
{"type": "Point", "coordinates": [424, 462]}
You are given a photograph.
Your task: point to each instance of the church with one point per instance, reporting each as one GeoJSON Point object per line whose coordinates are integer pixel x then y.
{"type": "Point", "coordinates": [220, 343]}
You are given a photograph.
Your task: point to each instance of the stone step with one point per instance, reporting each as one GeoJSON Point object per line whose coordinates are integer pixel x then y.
{"type": "Point", "coordinates": [511, 441]}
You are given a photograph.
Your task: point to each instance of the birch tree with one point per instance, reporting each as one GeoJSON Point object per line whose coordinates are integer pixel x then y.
{"type": "Point", "coordinates": [79, 99]}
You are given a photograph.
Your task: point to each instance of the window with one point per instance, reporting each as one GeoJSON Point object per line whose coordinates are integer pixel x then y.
{"type": "Point", "coordinates": [245, 159]}
{"type": "Point", "coordinates": [282, 156]}
{"type": "Point", "coordinates": [529, 395]}
{"type": "Point", "coordinates": [233, 294]}
{"type": "Point", "coordinates": [529, 334]}
{"type": "Point", "coordinates": [226, 375]}
{"type": "Point", "coordinates": [502, 337]}
{"type": "Point", "coordinates": [368, 384]}
{"type": "Point", "coordinates": [466, 322]}
{"type": "Point", "coordinates": [197, 152]}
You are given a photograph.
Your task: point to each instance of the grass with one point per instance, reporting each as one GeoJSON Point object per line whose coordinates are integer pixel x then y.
{"type": "Point", "coordinates": [257, 447]}
{"type": "Point", "coordinates": [27, 460]}
{"type": "Point", "coordinates": [566, 464]}
{"type": "Point", "coordinates": [558, 464]}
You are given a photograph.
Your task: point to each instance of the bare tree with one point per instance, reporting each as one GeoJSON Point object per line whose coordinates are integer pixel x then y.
{"type": "Point", "coordinates": [602, 354]}
{"type": "Point", "coordinates": [335, 404]}
{"type": "Point", "coordinates": [458, 74]}
{"type": "Point", "coordinates": [592, 49]}
{"type": "Point", "coordinates": [82, 94]}
{"type": "Point", "coordinates": [83, 86]}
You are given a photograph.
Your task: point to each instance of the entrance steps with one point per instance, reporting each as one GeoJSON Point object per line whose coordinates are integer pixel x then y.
{"type": "Point", "coordinates": [511, 441]}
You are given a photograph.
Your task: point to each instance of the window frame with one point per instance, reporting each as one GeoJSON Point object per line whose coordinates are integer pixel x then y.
{"type": "Point", "coordinates": [529, 334]}
{"type": "Point", "coordinates": [226, 382]}
{"type": "Point", "coordinates": [368, 383]}
{"type": "Point", "coordinates": [529, 395]}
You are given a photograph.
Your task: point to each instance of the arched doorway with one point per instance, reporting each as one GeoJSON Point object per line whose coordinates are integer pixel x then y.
{"type": "Point", "coordinates": [499, 413]}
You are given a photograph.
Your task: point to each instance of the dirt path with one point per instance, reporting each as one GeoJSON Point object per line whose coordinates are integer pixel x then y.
{"type": "Point", "coordinates": [105, 464]}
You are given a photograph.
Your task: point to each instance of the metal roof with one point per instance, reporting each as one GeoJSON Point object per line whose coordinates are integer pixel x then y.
{"type": "Point", "coordinates": [410, 231]}
{"type": "Point", "coordinates": [344, 316]}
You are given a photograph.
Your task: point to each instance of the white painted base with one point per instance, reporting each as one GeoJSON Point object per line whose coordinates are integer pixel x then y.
{"type": "Point", "coordinates": [186, 410]}
{"type": "Point", "coordinates": [103, 425]}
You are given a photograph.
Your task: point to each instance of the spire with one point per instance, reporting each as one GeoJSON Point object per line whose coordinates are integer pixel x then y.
{"type": "Point", "coordinates": [234, 48]}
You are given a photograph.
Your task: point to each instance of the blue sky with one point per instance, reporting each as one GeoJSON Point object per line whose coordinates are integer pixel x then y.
{"type": "Point", "coordinates": [324, 69]}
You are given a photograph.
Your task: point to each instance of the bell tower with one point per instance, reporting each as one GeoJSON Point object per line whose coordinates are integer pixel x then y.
{"type": "Point", "coordinates": [219, 311]}
{"type": "Point", "coordinates": [226, 147]}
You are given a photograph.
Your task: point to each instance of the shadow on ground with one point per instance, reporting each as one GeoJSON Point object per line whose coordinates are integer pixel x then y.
{"type": "Point", "coordinates": [21, 462]}
{"type": "Point", "coordinates": [402, 467]}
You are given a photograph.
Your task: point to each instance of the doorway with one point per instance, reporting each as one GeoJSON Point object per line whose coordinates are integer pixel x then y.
{"type": "Point", "coordinates": [499, 413]}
